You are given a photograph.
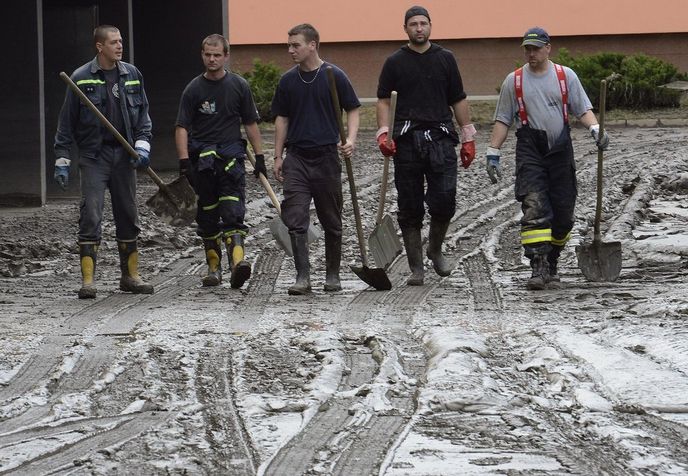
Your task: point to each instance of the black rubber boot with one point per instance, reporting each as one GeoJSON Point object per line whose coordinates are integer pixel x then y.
{"type": "Point", "coordinates": [131, 282]}
{"type": "Point", "coordinates": [414, 254]}
{"type": "Point", "coordinates": [540, 267]}
{"type": "Point", "coordinates": [213, 256]}
{"type": "Point", "coordinates": [438, 230]}
{"type": "Point", "coordinates": [553, 279]}
{"type": "Point", "coordinates": [299, 244]}
{"type": "Point", "coordinates": [88, 253]}
{"type": "Point", "coordinates": [241, 269]}
{"type": "Point", "coordinates": [333, 258]}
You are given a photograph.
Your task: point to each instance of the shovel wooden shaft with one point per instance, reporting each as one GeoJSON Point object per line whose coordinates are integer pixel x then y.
{"type": "Point", "coordinates": [266, 185]}
{"type": "Point", "coordinates": [127, 146]}
{"type": "Point", "coordinates": [385, 167]}
{"type": "Point", "coordinates": [600, 162]}
{"type": "Point", "coordinates": [349, 168]}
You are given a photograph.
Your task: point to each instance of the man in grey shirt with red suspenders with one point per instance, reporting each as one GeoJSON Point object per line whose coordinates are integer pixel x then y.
{"type": "Point", "coordinates": [539, 96]}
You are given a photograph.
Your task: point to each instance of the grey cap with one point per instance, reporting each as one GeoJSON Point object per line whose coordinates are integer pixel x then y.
{"type": "Point", "coordinates": [415, 10]}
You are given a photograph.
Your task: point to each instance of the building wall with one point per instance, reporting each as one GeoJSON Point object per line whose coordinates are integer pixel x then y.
{"type": "Point", "coordinates": [483, 62]}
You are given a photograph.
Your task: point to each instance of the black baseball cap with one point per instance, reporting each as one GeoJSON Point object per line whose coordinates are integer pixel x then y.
{"type": "Point", "coordinates": [535, 36]}
{"type": "Point", "coordinates": [415, 10]}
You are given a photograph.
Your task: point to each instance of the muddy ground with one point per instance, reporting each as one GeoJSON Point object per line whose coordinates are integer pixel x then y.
{"type": "Point", "coordinates": [468, 374]}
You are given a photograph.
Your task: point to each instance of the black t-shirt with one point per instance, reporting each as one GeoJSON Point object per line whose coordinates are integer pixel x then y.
{"type": "Point", "coordinates": [113, 109]}
{"type": "Point", "coordinates": [213, 111]}
{"type": "Point", "coordinates": [304, 98]}
{"type": "Point", "coordinates": [427, 84]}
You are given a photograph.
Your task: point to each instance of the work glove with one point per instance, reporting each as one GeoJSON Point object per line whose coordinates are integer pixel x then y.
{"type": "Point", "coordinates": [61, 174]}
{"type": "Point", "coordinates": [185, 169]}
{"type": "Point", "coordinates": [494, 171]}
{"type": "Point", "coordinates": [467, 152]}
{"type": "Point", "coordinates": [142, 148]}
{"type": "Point", "coordinates": [602, 142]}
{"type": "Point", "coordinates": [381, 136]}
{"type": "Point", "coordinates": [259, 168]}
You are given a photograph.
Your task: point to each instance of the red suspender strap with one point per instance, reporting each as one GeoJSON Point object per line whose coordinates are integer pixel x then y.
{"type": "Point", "coordinates": [561, 79]}
{"type": "Point", "coordinates": [518, 83]}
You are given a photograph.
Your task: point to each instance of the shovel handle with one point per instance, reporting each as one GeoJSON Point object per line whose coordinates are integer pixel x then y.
{"type": "Point", "coordinates": [264, 182]}
{"type": "Point", "coordinates": [385, 167]}
{"type": "Point", "coordinates": [349, 169]}
{"type": "Point", "coordinates": [600, 162]}
{"type": "Point", "coordinates": [127, 146]}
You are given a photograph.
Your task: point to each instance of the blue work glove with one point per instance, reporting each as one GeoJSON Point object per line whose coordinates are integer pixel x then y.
{"type": "Point", "coordinates": [61, 174]}
{"type": "Point", "coordinates": [142, 148]}
{"type": "Point", "coordinates": [494, 171]}
{"type": "Point", "coordinates": [259, 168]}
{"type": "Point", "coordinates": [602, 142]}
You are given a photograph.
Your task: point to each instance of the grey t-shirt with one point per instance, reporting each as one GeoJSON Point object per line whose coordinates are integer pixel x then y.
{"type": "Point", "coordinates": [542, 99]}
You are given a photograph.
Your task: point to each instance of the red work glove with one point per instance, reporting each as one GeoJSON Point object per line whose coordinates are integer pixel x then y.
{"type": "Point", "coordinates": [387, 150]}
{"type": "Point", "coordinates": [467, 153]}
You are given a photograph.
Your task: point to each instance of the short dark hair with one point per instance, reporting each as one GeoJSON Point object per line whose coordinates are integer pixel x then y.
{"type": "Point", "coordinates": [216, 39]}
{"type": "Point", "coordinates": [100, 33]}
{"type": "Point", "coordinates": [308, 31]}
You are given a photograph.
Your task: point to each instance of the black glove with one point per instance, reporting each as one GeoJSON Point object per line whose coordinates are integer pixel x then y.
{"type": "Point", "coordinates": [185, 169]}
{"type": "Point", "coordinates": [259, 168]}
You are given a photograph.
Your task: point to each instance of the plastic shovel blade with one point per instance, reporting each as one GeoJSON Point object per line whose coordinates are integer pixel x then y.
{"type": "Point", "coordinates": [600, 262]}
{"type": "Point", "coordinates": [281, 234]}
{"type": "Point", "coordinates": [384, 242]}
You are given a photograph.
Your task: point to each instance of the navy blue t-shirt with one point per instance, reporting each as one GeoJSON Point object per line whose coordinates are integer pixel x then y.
{"type": "Point", "coordinates": [304, 98]}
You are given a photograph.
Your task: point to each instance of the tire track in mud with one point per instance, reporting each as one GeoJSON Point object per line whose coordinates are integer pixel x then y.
{"type": "Point", "coordinates": [348, 435]}
{"type": "Point", "coordinates": [66, 456]}
{"type": "Point", "coordinates": [230, 444]}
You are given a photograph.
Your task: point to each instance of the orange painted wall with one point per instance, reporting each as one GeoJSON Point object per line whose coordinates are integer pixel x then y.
{"type": "Point", "coordinates": [267, 21]}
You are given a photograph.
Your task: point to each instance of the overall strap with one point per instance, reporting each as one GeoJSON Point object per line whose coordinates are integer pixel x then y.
{"type": "Point", "coordinates": [561, 80]}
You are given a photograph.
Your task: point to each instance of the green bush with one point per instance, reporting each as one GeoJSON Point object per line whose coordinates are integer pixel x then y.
{"type": "Point", "coordinates": [263, 81]}
{"type": "Point", "coordinates": [639, 84]}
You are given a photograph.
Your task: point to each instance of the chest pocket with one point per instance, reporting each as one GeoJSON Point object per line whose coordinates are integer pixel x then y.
{"type": "Point", "coordinates": [94, 89]}
{"type": "Point", "coordinates": [134, 97]}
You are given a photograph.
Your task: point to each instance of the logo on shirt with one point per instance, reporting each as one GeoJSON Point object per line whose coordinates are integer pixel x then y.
{"type": "Point", "coordinates": [115, 90]}
{"type": "Point", "coordinates": [207, 107]}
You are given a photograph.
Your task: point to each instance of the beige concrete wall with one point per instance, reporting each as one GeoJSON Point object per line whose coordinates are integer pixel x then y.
{"type": "Point", "coordinates": [483, 62]}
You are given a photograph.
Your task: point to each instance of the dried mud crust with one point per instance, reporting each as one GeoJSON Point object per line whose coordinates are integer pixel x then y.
{"type": "Point", "coordinates": [203, 380]}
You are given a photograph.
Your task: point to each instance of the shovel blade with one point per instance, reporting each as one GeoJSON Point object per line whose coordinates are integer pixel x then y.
{"type": "Point", "coordinates": [374, 277]}
{"type": "Point", "coordinates": [600, 262]}
{"type": "Point", "coordinates": [384, 242]}
{"type": "Point", "coordinates": [176, 207]}
{"type": "Point", "coordinates": [280, 233]}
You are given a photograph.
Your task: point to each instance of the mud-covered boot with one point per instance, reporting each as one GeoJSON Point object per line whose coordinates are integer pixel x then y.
{"type": "Point", "coordinates": [241, 269]}
{"type": "Point", "coordinates": [333, 258]}
{"type": "Point", "coordinates": [131, 282]}
{"type": "Point", "coordinates": [553, 279]}
{"type": "Point", "coordinates": [299, 245]}
{"type": "Point", "coordinates": [438, 230]}
{"type": "Point", "coordinates": [414, 254]}
{"type": "Point", "coordinates": [213, 257]}
{"type": "Point", "coordinates": [88, 253]}
{"type": "Point", "coordinates": [540, 267]}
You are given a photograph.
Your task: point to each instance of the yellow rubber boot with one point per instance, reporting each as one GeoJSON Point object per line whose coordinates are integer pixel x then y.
{"type": "Point", "coordinates": [131, 282]}
{"type": "Point", "coordinates": [213, 256]}
{"type": "Point", "coordinates": [88, 253]}
{"type": "Point", "coordinates": [241, 269]}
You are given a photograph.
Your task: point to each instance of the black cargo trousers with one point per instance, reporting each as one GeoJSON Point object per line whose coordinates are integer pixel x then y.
{"type": "Point", "coordinates": [546, 187]}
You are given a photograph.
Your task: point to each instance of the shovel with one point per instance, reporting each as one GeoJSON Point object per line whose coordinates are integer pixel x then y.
{"type": "Point", "coordinates": [375, 277]}
{"type": "Point", "coordinates": [384, 241]}
{"type": "Point", "coordinates": [597, 260]}
{"type": "Point", "coordinates": [279, 230]}
{"type": "Point", "coordinates": [174, 203]}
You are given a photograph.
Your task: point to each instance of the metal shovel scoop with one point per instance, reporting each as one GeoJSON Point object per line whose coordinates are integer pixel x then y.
{"type": "Point", "coordinates": [600, 261]}
{"type": "Point", "coordinates": [174, 203]}
{"type": "Point", "coordinates": [384, 241]}
{"type": "Point", "coordinates": [375, 277]}
{"type": "Point", "coordinates": [279, 230]}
